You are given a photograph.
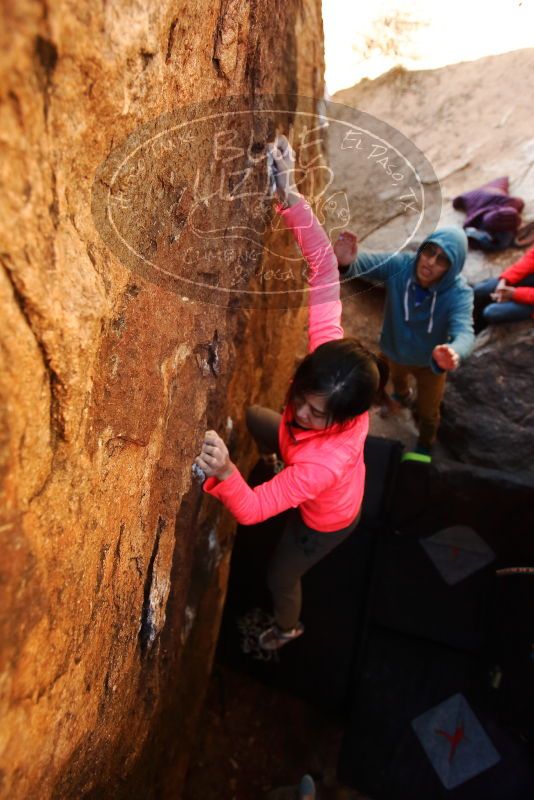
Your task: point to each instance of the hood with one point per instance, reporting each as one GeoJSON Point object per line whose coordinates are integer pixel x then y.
{"type": "Point", "coordinates": [453, 242]}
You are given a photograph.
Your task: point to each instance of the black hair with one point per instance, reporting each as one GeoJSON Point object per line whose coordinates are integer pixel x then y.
{"type": "Point", "coordinates": [350, 376]}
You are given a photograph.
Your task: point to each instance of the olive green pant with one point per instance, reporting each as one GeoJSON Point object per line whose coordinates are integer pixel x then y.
{"type": "Point", "coordinates": [300, 547]}
{"type": "Point", "coordinates": [430, 388]}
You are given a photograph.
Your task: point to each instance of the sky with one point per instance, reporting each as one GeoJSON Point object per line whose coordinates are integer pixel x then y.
{"type": "Point", "coordinates": [453, 30]}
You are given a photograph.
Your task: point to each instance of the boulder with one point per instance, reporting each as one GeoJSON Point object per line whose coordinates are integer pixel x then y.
{"type": "Point", "coordinates": [487, 412]}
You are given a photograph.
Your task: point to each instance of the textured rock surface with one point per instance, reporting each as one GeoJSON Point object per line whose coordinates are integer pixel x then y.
{"type": "Point", "coordinates": [114, 568]}
{"type": "Point", "coordinates": [488, 418]}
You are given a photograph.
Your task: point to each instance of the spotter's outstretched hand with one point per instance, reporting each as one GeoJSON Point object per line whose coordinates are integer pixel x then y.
{"type": "Point", "coordinates": [445, 357]}
{"type": "Point", "coordinates": [346, 248]}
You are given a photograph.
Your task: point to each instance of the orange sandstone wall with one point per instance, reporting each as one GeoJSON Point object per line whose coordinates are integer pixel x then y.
{"type": "Point", "coordinates": [114, 567]}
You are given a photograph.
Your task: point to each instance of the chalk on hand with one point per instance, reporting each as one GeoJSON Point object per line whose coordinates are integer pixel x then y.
{"type": "Point", "coordinates": [271, 172]}
{"type": "Point", "coordinates": [198, 473]}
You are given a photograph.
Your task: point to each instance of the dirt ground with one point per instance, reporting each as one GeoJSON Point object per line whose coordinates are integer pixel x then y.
{"type": "Point", "coordinates": [257, 742]}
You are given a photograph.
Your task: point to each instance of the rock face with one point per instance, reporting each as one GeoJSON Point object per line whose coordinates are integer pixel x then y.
{"type": "Point", "coordinates": [488, 417]}
{"type": "Point", "coordinates": [114, 566]}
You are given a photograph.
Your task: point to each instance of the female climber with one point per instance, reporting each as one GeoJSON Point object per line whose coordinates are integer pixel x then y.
{"type": "Point", "coordinates": [320, 435]}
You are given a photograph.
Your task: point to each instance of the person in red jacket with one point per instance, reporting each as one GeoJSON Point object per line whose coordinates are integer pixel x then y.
{"type": "Point", "coordinates": [320, 435]}
{"type": "Point", "coordinates": [512, 293]}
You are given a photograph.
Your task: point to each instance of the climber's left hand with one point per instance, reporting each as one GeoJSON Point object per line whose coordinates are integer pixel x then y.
{"type": "Point", "coordinates": [214, 458]}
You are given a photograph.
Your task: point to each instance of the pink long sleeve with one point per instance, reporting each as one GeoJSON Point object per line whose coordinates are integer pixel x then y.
{"type": "Point", "coordinates": [288, 489]}
{"type": "Point", "coordinates": [324, 302]}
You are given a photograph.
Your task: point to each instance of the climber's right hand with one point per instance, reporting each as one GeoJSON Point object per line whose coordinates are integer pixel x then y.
{"type": "Point", "coordinates": [284, 174]}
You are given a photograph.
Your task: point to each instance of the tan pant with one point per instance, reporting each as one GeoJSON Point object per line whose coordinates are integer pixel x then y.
{"type": "Point", "coordinates": [430, 388]}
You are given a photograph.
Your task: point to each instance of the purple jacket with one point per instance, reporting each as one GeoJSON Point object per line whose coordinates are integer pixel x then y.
{"type": "Point", "coordinates": [490, 207]}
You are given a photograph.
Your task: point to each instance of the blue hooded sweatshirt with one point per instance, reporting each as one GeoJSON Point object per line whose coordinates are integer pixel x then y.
{"type": "Point", "coordinates": [445, 315]}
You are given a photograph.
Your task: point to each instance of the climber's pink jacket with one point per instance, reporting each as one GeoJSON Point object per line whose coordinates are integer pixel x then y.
{"type": "Point", "coordinates": [325, 472]}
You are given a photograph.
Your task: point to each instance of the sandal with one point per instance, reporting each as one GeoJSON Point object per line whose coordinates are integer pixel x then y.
{"type": "Point", "coordinates": [271, 460]}
{"type": "Point", "coordinates": [396, 402]}
{"type": "Point", "coordinates": [525, 235]}
{"type": "Point", "coordinates": [307, 788]}
{"type": "Point", "coordinates": [274, 637]}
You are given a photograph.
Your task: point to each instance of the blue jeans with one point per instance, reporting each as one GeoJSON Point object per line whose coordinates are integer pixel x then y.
{"type": "Point", "coordinates": [502, 312]}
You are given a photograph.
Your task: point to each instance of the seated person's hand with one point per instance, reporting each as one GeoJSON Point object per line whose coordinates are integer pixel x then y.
{"type": "Point", "coordinates": [445, 357]}
{"type": "Point", "coordinates": [284, 159]}
{"type": "Point", "coordinates": [346, 248]}
{"type": "Point", "coordinates": [505, 295]}
{"type": "Point", "coordinates": [214, 458]}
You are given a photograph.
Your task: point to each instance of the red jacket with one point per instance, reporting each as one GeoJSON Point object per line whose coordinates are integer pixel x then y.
{"type": "Point", "coordinates": [325, 473]}
{"type": "Point", "coordinates": [516, 273]}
